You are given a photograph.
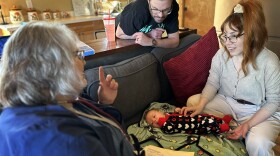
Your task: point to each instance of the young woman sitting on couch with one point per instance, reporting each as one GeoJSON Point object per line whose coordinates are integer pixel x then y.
{"type": "Point", "coordinates": [244, 80]}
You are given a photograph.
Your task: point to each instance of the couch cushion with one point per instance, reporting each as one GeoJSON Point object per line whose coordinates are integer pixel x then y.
{"type": "Point", "coordinates": [188, 71]}
{"type": "Point", "coordinates": [138, 85]}
{"type": "Point", "coordinates": [163, 55]}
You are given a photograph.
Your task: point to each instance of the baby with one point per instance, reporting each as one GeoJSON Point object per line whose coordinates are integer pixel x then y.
{"type": "Point", "coordinates": [177, 123]}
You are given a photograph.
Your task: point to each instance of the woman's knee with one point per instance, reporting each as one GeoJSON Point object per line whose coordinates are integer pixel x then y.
{"type": "Point", "coordinates": [193, 100]}
{"type": "Point", "coordinates": [210, 108]}
{"type": "Point", "coordinates": [260, 139]}
{"type": "Point", "coordinates": [259, 145]}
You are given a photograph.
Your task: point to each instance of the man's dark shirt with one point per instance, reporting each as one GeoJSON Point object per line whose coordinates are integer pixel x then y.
{"type": "Point", "coordinates": [136, 17]}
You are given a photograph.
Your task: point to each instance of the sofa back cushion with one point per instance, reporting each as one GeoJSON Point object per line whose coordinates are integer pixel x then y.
{"type": "Point", "coordinates": [188, 72]}
{"type": "Point", "coordinates": [118, 55]}
{"type": "Point", "coordinates": [163, 55]}
{"type": "Point", "coordinates": [138, 85]}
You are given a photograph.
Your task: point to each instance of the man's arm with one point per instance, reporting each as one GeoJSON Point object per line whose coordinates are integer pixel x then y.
{"type": "Point", "coordinates": [120, 34]}
{"type": "Point", "coordinates": [171, 41]}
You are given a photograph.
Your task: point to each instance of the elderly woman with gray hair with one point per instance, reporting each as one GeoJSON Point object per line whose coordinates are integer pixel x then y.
{"type": "Point", "coordinates": [41, 80]}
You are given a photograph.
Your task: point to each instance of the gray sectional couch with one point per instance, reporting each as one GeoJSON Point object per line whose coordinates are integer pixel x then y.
{"type": "Point", "coordinates": [141, 77]}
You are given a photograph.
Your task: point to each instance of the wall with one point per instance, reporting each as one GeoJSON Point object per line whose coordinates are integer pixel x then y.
{"type": "Point", "coordinates": [199, 15]}
{"type": "Point", "coordinates": [181, 14]}
{"type": "Point", "coordinates": [272, 12]}
{"type": "Point", "coordinates": [223, 8]}
{"type": "Point", "coordinates": [40, 5]}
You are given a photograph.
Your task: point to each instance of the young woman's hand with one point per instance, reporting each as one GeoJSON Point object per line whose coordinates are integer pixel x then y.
{"type": "Point", "coordinates": [192, 110]}
{"type": "Point", "coordinates": [240, 131]}
{"type": "Point", "coordinates": [108, 88]}
{"type": "Point", "coordinates": [177, 110]}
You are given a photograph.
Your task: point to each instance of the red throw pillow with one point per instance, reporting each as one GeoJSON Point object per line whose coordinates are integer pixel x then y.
{"type": "Point", "coordinates": [188, 72]}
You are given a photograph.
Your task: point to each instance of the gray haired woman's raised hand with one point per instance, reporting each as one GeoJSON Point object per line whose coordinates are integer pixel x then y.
{"type": "Point", "coordinates": [108, 88]}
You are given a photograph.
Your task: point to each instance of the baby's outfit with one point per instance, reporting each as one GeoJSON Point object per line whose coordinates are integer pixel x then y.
{"type": "Point", "coordinates": [200, 124]}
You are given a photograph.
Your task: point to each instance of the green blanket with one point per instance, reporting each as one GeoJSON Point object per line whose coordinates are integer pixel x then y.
{"type": "Point", "coordinates": [202, 145]}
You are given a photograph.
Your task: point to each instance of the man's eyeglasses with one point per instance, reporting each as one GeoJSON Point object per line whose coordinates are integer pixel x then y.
{"type": "Point", "coordinates": [165, 11]}
{"type": "Point", "coordinates": [232, 39]}
{"type": "Point", "coordinates": [80, 55]}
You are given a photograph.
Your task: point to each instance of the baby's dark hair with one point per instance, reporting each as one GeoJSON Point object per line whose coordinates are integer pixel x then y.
{"type": "Point", "coordinates": [146, 112]}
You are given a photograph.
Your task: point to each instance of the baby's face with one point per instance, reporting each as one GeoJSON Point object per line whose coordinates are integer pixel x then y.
{"type": "Point", "coordinates": [153, 116]}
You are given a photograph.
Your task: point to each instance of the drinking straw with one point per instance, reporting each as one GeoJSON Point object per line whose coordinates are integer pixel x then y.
{"type": "Point", "coordinates": [109, 17]}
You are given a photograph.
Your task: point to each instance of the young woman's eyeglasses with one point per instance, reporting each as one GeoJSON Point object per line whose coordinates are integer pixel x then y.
{"type": "Point", "coordinates": [165, 11]}
{"type": "Point", "coordinates": [232, 39]}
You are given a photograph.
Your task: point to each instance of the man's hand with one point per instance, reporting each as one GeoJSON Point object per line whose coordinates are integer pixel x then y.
{"type": "Point", "coordinates": [142, 39]}
{"type": "Point", "coordinates": [108, 88]}
{"type": "Point", "coordinates": [156, 33]}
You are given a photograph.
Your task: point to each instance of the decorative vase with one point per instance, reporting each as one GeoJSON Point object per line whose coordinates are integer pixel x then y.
{"type": "Point", "coordinates": [56, 15]}
{"type": "Point", "coordinates": [32, 16]}
{"type": "Point", "coordinates": [16, 16]}
{"type": "Point", "coordinates": [46, 15]}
